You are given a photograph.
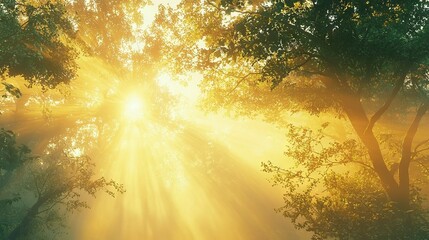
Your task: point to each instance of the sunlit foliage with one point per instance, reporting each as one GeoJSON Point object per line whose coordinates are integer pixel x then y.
{"type": "Point", "coordinates": [363, 62]}
{"type": "Point", "coordinates": [332, 191]}
{"type": "Point", "coordinates": [359, 60]}
{"type": "Point", "coordinates": [108, 28]}
{"type": "Point", "coordinates": [37, 42]}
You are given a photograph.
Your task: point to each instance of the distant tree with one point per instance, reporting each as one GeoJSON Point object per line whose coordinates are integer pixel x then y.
{"type": "Point", "coordinates": [362, 60]}
{"type": "Point", "coordinates": [41, 42]}
{"type": "Point", "coordinates": [107, 28]}
{"type": "Point", "coordinates": [12, 157]}
{"type": "Point", "coordinates": [48, 185]}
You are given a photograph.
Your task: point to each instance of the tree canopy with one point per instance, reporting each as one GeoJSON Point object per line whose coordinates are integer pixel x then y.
{"type": "Point", "coordinates": [337, 55]}
{"type": "Point", "coordinates": [332, 189]}
{"type": "Point", "coordinates": [359, 60]}
{"type": "Point", "coordinates": [41, 41]}
{"type": "Point", "coordinates": [36, 42]}
{"type": "Point", "coordinates": [107, 28]}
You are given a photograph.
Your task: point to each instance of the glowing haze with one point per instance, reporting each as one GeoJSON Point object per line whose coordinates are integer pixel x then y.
{"type": "Point", "coordinates": [187, 175]}
{"type": "Point", "coordinates": [133, 107]}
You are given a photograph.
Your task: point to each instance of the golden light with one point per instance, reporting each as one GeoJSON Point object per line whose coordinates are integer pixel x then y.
{"type": "Point", "coordinates": [179, 172]}
{"type": "Point", "coordinates": [76, 152]}
{"type": "Point", "coordinates": [133, 108]}
{"type": "Point", "coordinates": [191, 176]}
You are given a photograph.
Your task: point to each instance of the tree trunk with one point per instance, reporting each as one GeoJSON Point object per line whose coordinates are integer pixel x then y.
{"type": "Point", "coordinates": [404, 165]}
{"type": "Point", "coordinates": [23, 227]}
{"type": "Point", "coordinates": [355, 112]}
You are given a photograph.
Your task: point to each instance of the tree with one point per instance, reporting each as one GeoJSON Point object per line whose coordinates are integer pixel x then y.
{"type": "Point", "coordinates": [362, 60]}
{"type": "Point", "coordinates": [58, 182]}
{"type": "Point", "coordinates": [332, 190]}
{"type": "Point", "coordinates": [35, 191]}
{"type": "Point", "coordinates": [42, 40]}
{"type": "Point", "coordinates": [37, 42]}
{"type": "Point", "coordinates": [11, 158]}
{"type": "Point", "coordinates": [107, 28]}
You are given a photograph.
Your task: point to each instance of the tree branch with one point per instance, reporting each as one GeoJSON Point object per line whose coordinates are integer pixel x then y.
{"type": "Point", "coordinates": [355, 112]}
{"type": "Point", "coordinates": [301, 64]}
{"type": "Point", "coordinates": [387, 104]}
{"type": "Point", "coordinates": [404, 164]}
{"type": "Point", "coordinates": [55, 203]}
{"type": "Point", "coordinates": [418, 149]}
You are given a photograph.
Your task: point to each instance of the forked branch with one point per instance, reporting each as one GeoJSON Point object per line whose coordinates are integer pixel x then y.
{"type": "Point", "coordinates": [406, 150]}
{"type": "Point", "coordinates": [412, 130]}
{"type": "Point", "coordinates": [387, 104]}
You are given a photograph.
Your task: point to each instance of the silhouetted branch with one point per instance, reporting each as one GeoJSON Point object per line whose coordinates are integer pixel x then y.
{"type": "Point", "coordinates": [387, 104]}
{"type": "Point", "coordinates": [419, 145]}
{"type": "Point", "coordinates": [406, 150]}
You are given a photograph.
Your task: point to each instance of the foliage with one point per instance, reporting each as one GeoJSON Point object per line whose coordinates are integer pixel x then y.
{"type": "Point", "coordinates": [306, 51]}
{"type": "Point", "coordinates": [37, 42]}
{"type": "Point", "coordinates": [107, 28]}
{"type": "Point", "coordinates": [12, 90]}
{"type": "Point", "coordinates": [333, 192]}
{"type": "Point", "coordinates": [12, 155]}
{"type": "Point", "coordinates": [361, 60]}
{"type": "Point", "coordinates": [41, 40]}
{"type": "Point", "coordinates": [48, 185]}
{"type": "Point", "coordinates": [352, 58]}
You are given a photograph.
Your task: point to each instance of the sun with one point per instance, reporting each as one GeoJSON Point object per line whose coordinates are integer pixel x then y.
{"type": "Point", "coordinates": [133, 108]}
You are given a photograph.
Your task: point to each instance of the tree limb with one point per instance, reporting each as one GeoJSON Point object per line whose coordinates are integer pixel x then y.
{"type": "Point", "coordinates": [418, 149]}
{"type": "Point", "coordinates": [387, 104]}
{"type": "Point", "coordinates": [355, 112]}
{"type": "Point", "coordinates": [404, 164]}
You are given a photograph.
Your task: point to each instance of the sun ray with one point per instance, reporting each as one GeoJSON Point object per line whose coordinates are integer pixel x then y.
{"type": "Point", "coordinates": [187, 175]}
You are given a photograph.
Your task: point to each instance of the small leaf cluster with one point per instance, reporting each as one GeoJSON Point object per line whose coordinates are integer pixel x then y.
{"type": "Point", "coordinates": [333, 192]}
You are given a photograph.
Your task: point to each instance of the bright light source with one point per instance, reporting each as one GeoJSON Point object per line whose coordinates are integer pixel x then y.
{"type": "Point", "coordinates": [133, 108]}
{"type": "Point", "coordinates": [76, 152]}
